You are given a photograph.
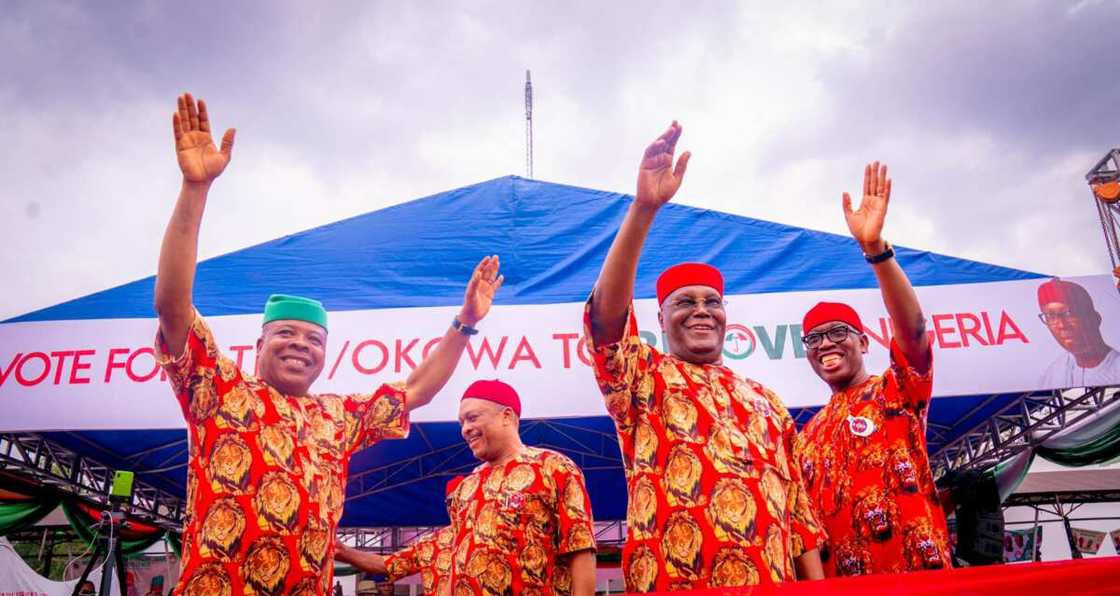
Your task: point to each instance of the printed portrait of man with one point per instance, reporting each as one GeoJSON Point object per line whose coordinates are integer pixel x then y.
{"type": "Point", "coordinates": [1067, 310]}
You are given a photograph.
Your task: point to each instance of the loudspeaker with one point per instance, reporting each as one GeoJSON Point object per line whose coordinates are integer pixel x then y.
{"type": "Point", "coordinates": [979, 517]}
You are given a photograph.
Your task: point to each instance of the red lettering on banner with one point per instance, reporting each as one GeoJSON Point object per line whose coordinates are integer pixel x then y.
{"type": "Point", "coordinates": [136, 378]}
{"type": "Point", "coordinates": [1006, 321]}
{"type": "Point", "coordinates": [365, 370]}
{"type": "Point", "coordinates": [884, 328]}
{"type": "Point", "coordinates": [524, 351]}
{"type": "Point", "coordinates": [583, 352]}
{"type": "Point", "coordinates": [428, 347]}
{"type": "Point", "coordinates": [968, 324]}
{"type": "Point", "coordinates": [566, 349]}
{"type": "Point", "coordinates": [988, 327]}
{"type": "Point", "coordinates": [60, 363]}
{"type": "Point", "coordinates": [401, 354]}
{"type": "Point", "coordinates": [240, 351]}
{"type": "Point", "coordinates": [112, 363]}
{"type": "Point", "coordinates": [26, 382]}
{"type": "Point", "coordinates": [943, 332]}
{"type": "Point", "coordinates": [78, 365]}
{"type": "Point", "coordinates": [973, 329]}
{"type": "Point", "coordinates": [486, 350]}
{"type": "Point", "coordinates": [11, 366]}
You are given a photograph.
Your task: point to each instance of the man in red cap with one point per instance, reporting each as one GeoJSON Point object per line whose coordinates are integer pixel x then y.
{"type": "Point", "coordinates": [268, 459]}
{"type": "Point", "coordinates": [521, 521]}
{"type": "Point", "coordinates": [1068, 312]}
{"type": "Point", "coordinates": [863, 456]}
{"type": "Point", "coordinates": [713, 498]}
{"type": "Point", "coordinates": [431, 557]}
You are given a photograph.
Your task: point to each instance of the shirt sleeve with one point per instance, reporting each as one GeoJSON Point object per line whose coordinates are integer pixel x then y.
{"type": "Point", "coordinates": [623, 369]}
{"type": "Point", "coordinates": [192, 374]}
{"type": "Point", "coordinates": [806, 531]}
{"type": "Point", "coordinates": [372, 417]}
{"type": "Point", "coordinates": [905, 389]}
{"type": "Point", "coordinates": [411, 559]}
{"type": "Point", "coordinates": [575, 526]}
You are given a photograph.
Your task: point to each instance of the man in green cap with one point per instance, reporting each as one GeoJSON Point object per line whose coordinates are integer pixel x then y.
{"type": "Point", "coordinates": [268, 461]}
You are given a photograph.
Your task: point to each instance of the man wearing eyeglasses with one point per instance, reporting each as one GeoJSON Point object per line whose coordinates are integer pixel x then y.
{"type": "Point", "coordinates": [1068, 312]}
{"type": "Point", "coordinates": [714, 499]}
{"type": "Point", "coordinates": [863, 456]}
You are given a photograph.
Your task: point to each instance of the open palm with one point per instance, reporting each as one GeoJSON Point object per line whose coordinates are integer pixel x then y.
{"type": "Point", "coordinates": [658, 180]}
{"type": "Point", "coordinates": [866, 222]}
{"type": "Point", "coordinates": [199, 159]}
{"type": "Point", "coordinates": [484, 284]}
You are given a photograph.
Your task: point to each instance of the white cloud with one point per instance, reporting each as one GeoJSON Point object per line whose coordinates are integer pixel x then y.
{"type": "Point", "coordinates": [346, 108]}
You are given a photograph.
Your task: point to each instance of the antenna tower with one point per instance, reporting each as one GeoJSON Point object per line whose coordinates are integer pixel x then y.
{"type": "Point", "coordinates": [528, 125]}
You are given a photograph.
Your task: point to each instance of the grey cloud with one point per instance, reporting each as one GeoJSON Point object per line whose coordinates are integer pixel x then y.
{"type": "Point", "coordinates": [344, 107]}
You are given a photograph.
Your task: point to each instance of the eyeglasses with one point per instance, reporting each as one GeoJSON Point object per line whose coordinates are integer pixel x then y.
{"type": "Point", "coordinates": [834, 334]}
{"type": "Point", "coordinates": [1049, 318]}
{"type": "Point", "coordinates": [714, 304]}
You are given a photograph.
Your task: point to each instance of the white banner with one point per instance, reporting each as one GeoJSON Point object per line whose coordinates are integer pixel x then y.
{"type": "Point", "coordinates": [989, 338]}
{"type": "Point", "coordinates": [1087, 541]}
{"type": "Point", "coordinates": [17, 578]}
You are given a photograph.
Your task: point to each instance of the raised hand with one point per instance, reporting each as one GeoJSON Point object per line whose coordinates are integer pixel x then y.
{"type": "Point", "coordinates": [658, 179]}
{"type": "Point", "coordinates": [866, 222]}
{"type": "Point", "coordinates": [199, 159]}
{"type": "Point", "coordinates": [480, 292]}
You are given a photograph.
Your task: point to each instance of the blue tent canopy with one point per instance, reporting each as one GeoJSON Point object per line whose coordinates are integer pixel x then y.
{"type": "Point", "coordinates": [552, 240]}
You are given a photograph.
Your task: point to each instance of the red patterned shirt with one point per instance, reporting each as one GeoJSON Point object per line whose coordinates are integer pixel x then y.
{"type": "Point", "coordinates": [514, 523]}
{"type": "Point", "coordinates": [266, 472]}
{"type": "Point", "coordinates": [863, 457]}
{"type": "Point", "coordinates": [713, 498]}
{"type": "Point", "coordinates": [429, 556]}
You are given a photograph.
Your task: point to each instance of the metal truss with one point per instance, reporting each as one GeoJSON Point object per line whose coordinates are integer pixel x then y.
{"type": "Point", "coordinates": [1057, 499]}
{"type": "Point", "coordinates": [32, 456]}
{"type": "Point", "coordinates": [611, 533]}
{"type": "Point", "coordinates": [591, 450]}
{"type": "Point", "coordinates": [385, 540]}
{"type": "Point", "coordinates": [1108, 170]}
{"type": "Point", "coordinates": [1024, 423]}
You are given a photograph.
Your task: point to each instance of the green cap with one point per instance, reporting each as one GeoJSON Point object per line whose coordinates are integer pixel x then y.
{"type": "Point", "coordinates": [281, 307]}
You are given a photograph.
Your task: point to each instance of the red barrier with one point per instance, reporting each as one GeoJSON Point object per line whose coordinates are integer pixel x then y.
{"type": "Point", "coordinates": [1099, 575]}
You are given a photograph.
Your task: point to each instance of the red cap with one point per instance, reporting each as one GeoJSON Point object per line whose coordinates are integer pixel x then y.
{"type": "Point", "coordinates": [495, 391]}
{"type": "Point", "coordinates": [688, 274]}
{"type": "Point", "coordinates": [1068, 293]}
{"type": "Point", "coordinates": [824, 312]}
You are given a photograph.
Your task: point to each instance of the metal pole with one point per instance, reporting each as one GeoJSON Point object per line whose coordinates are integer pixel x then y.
{"type": "Point", "coordinates": [1074, 552]}
{"type": "Point", "coordinates": [528, 125]}
{"type": "Point", "coordinates": [1036, 556]}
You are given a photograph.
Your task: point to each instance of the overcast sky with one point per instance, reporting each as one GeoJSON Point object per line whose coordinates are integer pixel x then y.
{"type": "Point", "coordinates": [989, 115]}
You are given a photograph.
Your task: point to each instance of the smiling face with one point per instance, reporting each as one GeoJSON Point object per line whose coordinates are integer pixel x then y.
{"type": "Point", "coordinates": [838, 362]}
{"type": "Point", "coordinates": [694, 322]}
{"type": "Point", "coordinates": [290, 355]}
{"type": "Point", "coordinates": [1075, 327]}
{"type": "Point", "coordinates": [489, 429]}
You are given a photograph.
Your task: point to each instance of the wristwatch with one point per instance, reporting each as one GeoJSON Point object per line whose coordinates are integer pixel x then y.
{"type": "Point", "coordinates": [883, 256]}
{"type": "Point", "coordinates": [462, 327]}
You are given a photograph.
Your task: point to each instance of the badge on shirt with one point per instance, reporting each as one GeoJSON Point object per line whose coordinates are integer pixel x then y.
{"type": "Point", "coordinates": [515, 500]}
{"type": "Point", "coordinates": [861, 426]}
